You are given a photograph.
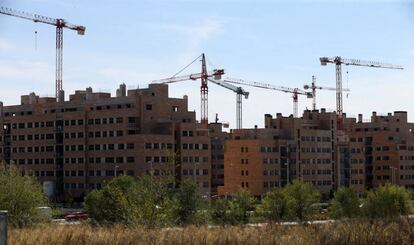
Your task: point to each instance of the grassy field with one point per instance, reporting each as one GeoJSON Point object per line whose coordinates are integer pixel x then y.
{"type": "Point", "coordinates": [351, 232]}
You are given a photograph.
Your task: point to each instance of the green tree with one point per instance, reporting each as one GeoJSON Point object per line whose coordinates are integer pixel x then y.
{"type": "Point", "coordinates": [240, 205]}
{"type": "Point", "coordinates": [387, 201]}
{"type": "Point", "coordinates": [20, 195]}
{"type": "Point", "coordinates": [115, 203]}
{"type": "Point", "coordinates": [345, 204]}
{"type": "Point", "coordinates": [155, 205]}
{"type": "Point", "coordinates": [303, 195]}
{"type": "Point", "coordinates": [220, 211]}
{"type": "Point", "coordinates": [124, 200]}
{"type": "Point", "coordinates": [276, 206]}
{"type": "Point", "coordinates": [189, 201]}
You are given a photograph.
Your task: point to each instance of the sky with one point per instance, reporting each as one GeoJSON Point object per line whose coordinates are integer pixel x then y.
{"type": "Point", "coordinates": [275, 42]}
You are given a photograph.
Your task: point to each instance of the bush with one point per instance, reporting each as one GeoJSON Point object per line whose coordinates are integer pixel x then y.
{"type": "Point", "coordinates": [124, 200]}
{"type": "Point", "coordinates": [189, 201]}
{"type": "Point", "coordinates": [276, 206]}
{"type": "Point", "coordinates": [345, 204]}
{"type": "Point", "coordinates": [115, 203]}
{"type": "Point", "coordinates": [235, 210]}
{"type": "Point", "coordinates": [20, 195]}
{"type": "Point", "coordinates": [303, 195]}
{"type": "Point", "coordinates": [219, 211]}
{"type": "Point", "coordinates": [155, 205]}
{"type": "Point", "coordinates": [240, 205]}
{"type": "Point", "coordinates": [387, 201]}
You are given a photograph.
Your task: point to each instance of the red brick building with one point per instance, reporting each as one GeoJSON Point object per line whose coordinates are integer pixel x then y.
{"type": "Point", "coordinates": [362, 156]}
{"type": "Point", "coordinates": [81, 144]}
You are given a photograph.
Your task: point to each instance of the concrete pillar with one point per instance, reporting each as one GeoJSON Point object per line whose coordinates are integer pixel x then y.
{"type": "Point", "coordinates": [3, 227]}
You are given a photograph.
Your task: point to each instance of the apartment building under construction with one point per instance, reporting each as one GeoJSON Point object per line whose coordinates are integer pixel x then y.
{"type": "Point", "coordinates": [363, 155]}
{"type": "Point", "coordinates": [78, 145]}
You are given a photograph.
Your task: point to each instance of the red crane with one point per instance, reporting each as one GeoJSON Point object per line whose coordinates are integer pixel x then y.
{"type": "Point", "coordinates": [60, 24]}
{"type": "Point", "coordinates": [204, 77]}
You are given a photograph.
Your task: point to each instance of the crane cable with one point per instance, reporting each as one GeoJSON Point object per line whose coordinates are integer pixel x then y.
{"type": "Point", "coordinates": [186, 66]}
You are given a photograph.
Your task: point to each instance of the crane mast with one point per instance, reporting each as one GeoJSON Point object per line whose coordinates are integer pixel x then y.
{"type": "Point", "coordinates": [313, 87]}
{"type": "Point", "coordinates": [204, 76]}
{"type": "Point", "coordinates": [204, 92]}
{"type": "Point", "coordinates": [240, 92]}
{"type": "Point", "coordinates": [60, 24]}
{"type": "Point", "coordinates": [294, 91]}
{"type": "Point", "coordinates": [338, 61]}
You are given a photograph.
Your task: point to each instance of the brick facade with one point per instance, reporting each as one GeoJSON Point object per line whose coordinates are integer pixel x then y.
{"type": "Point", "coordinates": [81, 144]}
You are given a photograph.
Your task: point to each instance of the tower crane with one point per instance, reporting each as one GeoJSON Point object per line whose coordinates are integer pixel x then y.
{"type": "Point", "coordinates": [239, 93]}
{"type": "Point", "coordinates": [60, 24]}
{"type": "Point", "coordinates": [314, 88]}
{"type": "Point", "coordinates": [338, 61]}
{"type": "Point", "coordinates": [204, 75]}
{"type": "Point", "coordinates": [294, 91]}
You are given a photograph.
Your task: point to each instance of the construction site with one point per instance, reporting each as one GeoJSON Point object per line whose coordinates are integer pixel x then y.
{"type": "Point", "coordinates": [77, 143]}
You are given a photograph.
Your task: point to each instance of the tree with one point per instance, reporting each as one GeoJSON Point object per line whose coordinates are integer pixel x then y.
{"type": "Point", "coordinates": [387, 201]}
{"type": "Point", "coordinates": [345, 204]}
{"type": "Point", "coordinates": [155, 206]}
{"type": "Point", "coordinates": [124, 200]}
{"type": "Point", "coordinates": [220, 211]}
{"type": "Point", "coordinates": [303, 195]}
{"type": "Point", "coordinates": [115, 203]}
{"type": "Point", "coordinates": [240, 205]}
{"type": "Point", "coordinates": [20, 195]}
{"type": "Point", "coordinates": [189, 201]}
{"type": "Point", "coordinates": [276, 206]}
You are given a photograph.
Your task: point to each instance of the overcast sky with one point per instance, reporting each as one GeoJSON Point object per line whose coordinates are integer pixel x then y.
{"type": "Point", "coordinates": [276, 42]}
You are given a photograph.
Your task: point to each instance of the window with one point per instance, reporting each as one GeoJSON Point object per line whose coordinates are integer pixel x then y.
{"type": "Point", "coordinates": [148, 107]}
{"type": "Point", "coordinates": [131, 119]}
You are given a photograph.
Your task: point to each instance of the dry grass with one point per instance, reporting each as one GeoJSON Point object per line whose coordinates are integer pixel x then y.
{"type": "Point", "coordinates": [338, 233]}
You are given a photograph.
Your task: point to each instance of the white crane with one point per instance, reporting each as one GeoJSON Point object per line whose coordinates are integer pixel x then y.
{"type": "Point", "coordinates": [239, 93]}
{"type": "Point", "coordinates": [294, 91]}
{"type": "Point", "coordinates": [338, 61]}
{"type": "Point", "coordinates": [314, 88]}
{"type": "Point", "coordinates": [60, 24]}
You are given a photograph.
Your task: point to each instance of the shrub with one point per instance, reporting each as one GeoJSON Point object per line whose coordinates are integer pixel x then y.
{"type": "Point", "coordinates": [219, 211]}
{"type": "Point", "coordinates": [345, 204]}
{"type": "Point", "coordinates": [303, 195]}
{"type": "Point", "coordinates": [387, 201]}
{"type": "Point", "coordinates": [276, 206]}
{"type": "Point", "coordinates": [240, 205]}
{"type": "Point", "coordinates": [124, 200]}
{"type": "Point", "coordinates": [115, 203]}
{"type": "Point", "coordinates": [20, 195]}
{"type": "Point", "coordinates": [189, 201]}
